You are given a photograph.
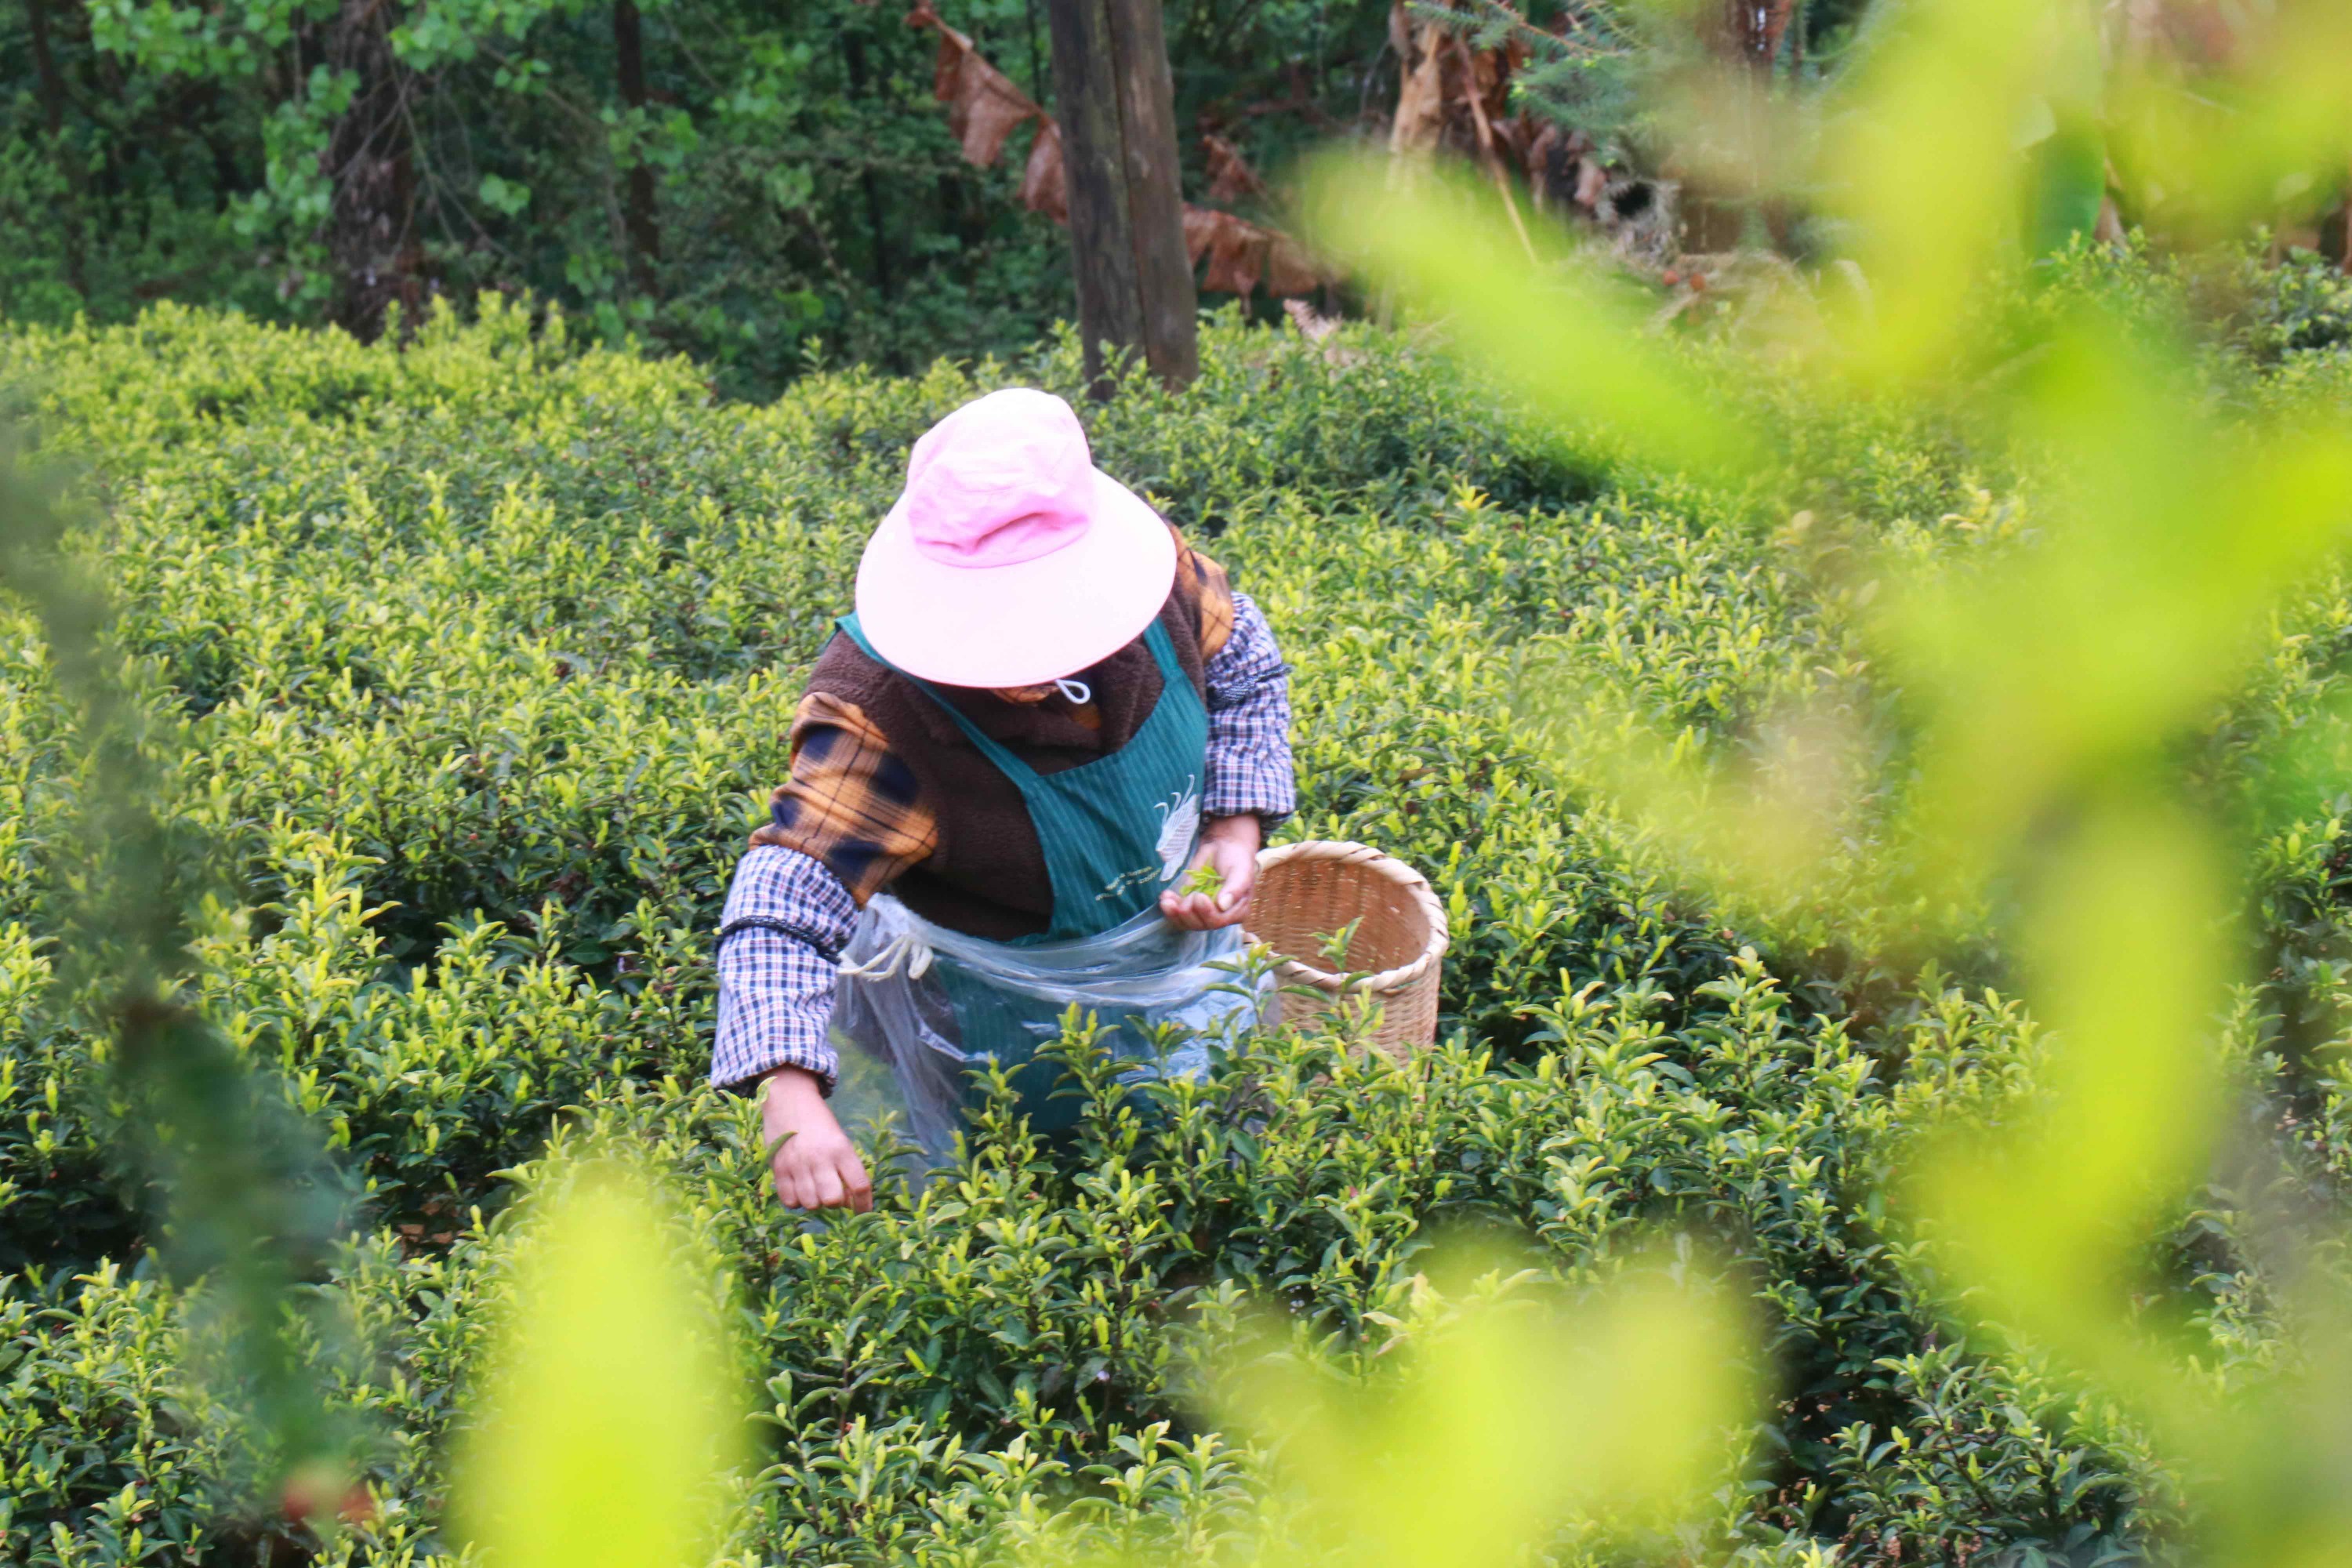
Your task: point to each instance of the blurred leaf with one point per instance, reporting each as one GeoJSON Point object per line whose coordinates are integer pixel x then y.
{"type": "Point", "coordinates": [2068, 186]}
{"type": "Point", "coordinates": [1927, 167]}
{"type": "Point", "coordinates": [1545, 320]}
{"type": "Point", "coordinates": [2047, 684]}
{"type": "Point", "coordinates": [2224, 139]}
{"type": "Point", "coordinates": [2125, 953]}
{"type": "Point", "coordinates": [1510, 1417]}
{"type": "Point", "coordinates": [605, 1426]}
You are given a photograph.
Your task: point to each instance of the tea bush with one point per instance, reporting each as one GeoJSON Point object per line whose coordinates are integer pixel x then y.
{"type": "Point", "coordinates": [477, 660]}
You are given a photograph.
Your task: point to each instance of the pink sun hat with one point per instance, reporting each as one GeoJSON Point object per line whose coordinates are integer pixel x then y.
{"type": "Point", "coordinates": [1010, 559]}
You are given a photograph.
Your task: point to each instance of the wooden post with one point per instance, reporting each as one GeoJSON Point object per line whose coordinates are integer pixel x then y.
{"type": "Point", "coordinates": [1117, 105]}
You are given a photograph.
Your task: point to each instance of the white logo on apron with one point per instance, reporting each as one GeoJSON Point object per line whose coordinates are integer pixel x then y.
{"type": "Point", "coordinates": [1181, 826]}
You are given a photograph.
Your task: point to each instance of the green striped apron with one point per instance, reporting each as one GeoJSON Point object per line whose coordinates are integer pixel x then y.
{"type": "Point", "coordinates": [1115, 831]}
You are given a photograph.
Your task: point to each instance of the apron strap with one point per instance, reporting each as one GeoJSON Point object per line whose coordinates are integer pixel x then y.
{"type": "Point", "coordinates": [1164, 654]}
{"type": "Point", "coordinates": [990, 748]}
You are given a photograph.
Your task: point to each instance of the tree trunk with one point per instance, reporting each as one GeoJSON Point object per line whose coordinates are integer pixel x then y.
{"type": "Point", "coordinates": [52, 89]}
{"type": "Point", "coordinates": [371, 217]}
{"type": "Point", "coordinates": [1117, 108]}
{"type": "Point", "coordinates": [638, 213]}
{"type": "Point", "coordinates": [852, 52]}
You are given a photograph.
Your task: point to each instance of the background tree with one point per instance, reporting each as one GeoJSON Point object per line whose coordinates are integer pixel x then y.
{"type": "Point", "coordinates": [748, 183]}
{"type": "Point", "coordinates": [1124, 186]}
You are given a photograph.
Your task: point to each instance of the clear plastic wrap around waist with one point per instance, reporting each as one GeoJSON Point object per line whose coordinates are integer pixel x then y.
{"type": "Point", "coordinates": [928, 1005]}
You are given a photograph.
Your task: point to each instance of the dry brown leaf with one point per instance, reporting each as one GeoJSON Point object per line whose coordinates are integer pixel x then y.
{"type": "Point", "coordinates": [1487, 77]}
{"type": "Point", "coordinates": [984, 108]}
{"type": "Point", "coordinates": [1236, 255]}
{"type": "Point", "coordinates": [1320, 331]}
{"type": "Point", "coordinates": [1289, 269]}
{"type": "Point", "coordinates": [1200, 231]}
{"type": "Point", "coordinates": [1231, 179]}
{"type": "Point", "coordinates": [1242, 257]}
{"type": "Point", "coordinates": [1044, 183]}
{"type": "Point", "coordinates": [1313, 326]}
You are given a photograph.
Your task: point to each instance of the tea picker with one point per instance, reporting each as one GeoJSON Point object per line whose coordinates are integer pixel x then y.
{"type": "Point", "coordinates": [1047, 714]}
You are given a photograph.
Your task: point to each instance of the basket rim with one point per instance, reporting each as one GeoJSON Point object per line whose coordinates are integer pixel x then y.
{"type": "Point", "coordinates": [1384, 864]}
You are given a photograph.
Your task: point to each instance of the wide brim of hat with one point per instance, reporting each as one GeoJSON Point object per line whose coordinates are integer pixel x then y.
{"type": "Point", "coordinates": [1023, 623]}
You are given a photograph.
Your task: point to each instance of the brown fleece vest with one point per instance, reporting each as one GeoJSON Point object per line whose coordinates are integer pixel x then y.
{"type": "Point", "coordinates": [987, 877]}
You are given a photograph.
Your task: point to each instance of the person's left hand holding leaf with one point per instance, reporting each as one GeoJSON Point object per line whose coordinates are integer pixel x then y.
{"type": "Point", "coordinates": [1216, 892]}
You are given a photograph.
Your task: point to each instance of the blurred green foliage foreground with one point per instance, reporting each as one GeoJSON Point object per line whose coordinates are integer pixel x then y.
{"type": "Point", "coordinates": [1884, 766]}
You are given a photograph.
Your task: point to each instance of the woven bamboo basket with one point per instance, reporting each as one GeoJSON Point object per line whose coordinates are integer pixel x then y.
{"type": "Point", "coordinates": [1307, 891]}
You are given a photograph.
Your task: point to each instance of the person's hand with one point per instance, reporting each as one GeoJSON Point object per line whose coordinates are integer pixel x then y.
{"type": "Point", "coordinates": [1229, 847]}
{"type": "Point", "coordinates": [816, 1166]}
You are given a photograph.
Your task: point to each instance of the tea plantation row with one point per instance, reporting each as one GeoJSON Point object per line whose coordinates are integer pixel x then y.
{"type": "Point", "coordinates": [478, 659]}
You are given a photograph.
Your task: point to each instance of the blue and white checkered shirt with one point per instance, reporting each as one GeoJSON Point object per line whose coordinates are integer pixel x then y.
{"type": "Point", "coordinates": [787, 916]}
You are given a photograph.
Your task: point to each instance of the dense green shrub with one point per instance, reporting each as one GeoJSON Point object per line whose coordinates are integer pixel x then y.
{"type": "Point", "coordinates": [477, 660]}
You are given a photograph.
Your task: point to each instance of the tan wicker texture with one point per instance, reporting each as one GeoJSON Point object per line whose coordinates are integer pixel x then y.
{"type": "Point", "coordinates": [1307, 891]}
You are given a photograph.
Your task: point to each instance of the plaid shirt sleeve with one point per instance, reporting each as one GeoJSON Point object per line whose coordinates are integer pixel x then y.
{"type": "Point", "coordinates": [1249, 723]}
{"type": "Point", "coordinates": [846, 822]}
{"type": "Point", "coordinates": [787, 917]}
{"type": "Point", "coordinates": [850, 804]}
{"type": "Point", "coordinates": [1212, 594]}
